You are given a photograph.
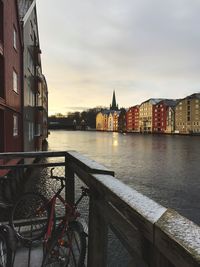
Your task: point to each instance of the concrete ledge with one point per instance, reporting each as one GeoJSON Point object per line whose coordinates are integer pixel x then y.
{"type": "Point", "coordinates": [178, 239]}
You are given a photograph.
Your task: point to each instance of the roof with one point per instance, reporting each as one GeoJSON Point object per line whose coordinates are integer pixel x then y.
{"type": "Point", "coordinates": [153, 101]}
{"type": "Point", "coordinates": [170, 102]}
{"type": "Point", "coordinates": [23, 6]}
{"type": "Point", "coordinates": [196, 95]}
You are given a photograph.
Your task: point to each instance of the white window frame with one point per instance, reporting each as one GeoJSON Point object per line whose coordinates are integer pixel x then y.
{"type": "Point", "coordinates": [15, 125]}
{"type": "Point", "coordinates": [14, 38]}
{"type": "Point", "coordinates": [15, 81]}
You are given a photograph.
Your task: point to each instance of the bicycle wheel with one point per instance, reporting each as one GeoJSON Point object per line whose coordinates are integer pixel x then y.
{"type": "Point", "coordinates": [5, 252]}
{"type": "Point", "coordinates": [67, 250]}
{"type": "Point", "coordinates": [29, 217]}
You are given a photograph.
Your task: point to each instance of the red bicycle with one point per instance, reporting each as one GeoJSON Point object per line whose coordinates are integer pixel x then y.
{"type": "Point", "coordinates": [64, 240]}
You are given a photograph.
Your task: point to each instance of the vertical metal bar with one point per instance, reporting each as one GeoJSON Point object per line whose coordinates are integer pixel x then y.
{"type": "Point", "coordinates": [70, 186]}
{"type": "Point", "coordinates": [98, 237]}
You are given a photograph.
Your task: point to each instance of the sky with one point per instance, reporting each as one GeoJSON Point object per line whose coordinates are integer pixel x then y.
{"type": "Point", "coordinates": [139, 48]}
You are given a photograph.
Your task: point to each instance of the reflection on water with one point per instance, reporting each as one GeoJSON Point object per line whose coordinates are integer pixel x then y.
{"type": "Point", "coordinates": [165, 168]}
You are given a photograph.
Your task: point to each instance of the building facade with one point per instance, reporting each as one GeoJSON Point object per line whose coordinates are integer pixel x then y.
{"type": "Point", "coordinates": [132, 119]}
{"type": "Point", "coordinates": [146, 115]}
{"type": "Point", "coordinates": [187, 115]}
{"type": "Point", "coordinates": [111, 121]}
{"type": "Point", "coordinates": [11, 134]}
{"type": "Point", "coordinates": [122, 120]}
{"type": "Point", "coordinates": [163, 116]}
{"type": "Point", "coordinates": [35, 92]}
{"type": "Point", "coordinates": [102, 120]}
{"type": "Point", "coordinates": [116, 120]}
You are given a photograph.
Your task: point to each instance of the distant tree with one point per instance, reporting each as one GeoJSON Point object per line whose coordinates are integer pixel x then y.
{"type": "Point", "coordinates": [59, 115]}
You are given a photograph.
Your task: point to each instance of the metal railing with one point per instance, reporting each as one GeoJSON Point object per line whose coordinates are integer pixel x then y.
{"type": "Point", "coordinates": [153, 235]}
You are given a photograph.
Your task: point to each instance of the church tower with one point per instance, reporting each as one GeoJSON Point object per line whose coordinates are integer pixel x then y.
{"type": "Point", "coordinates": [114, 105]}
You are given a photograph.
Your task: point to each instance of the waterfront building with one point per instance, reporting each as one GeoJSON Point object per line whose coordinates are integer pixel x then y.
{"type": "Point", "coordinates": [35, 93]}
{"type": "Point", "coordinates": [111, 121]}
{"type": "Point", "coordinates": [146, 115]}
{"type": "Point", "coordinates": [116, 120]}
{"type": "Point", "coordinates": [122, 120]}
{"type": "Point", "coordinates": [102, 120]}
{"type": "Point", "coordinates": [187, 115]}
{"type": "Point", "coordinates": [11, 133]}
{"type": "Point", "coordinates": [164, 116]}
{"type": "Point", "coordinates": [132, 119]}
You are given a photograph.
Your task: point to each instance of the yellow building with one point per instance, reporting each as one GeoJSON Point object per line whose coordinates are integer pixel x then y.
{"type": "Point", "coordinates": [102, 120]}
{"type": "Point", "coordinates": [146, 115]}
{"type": "Point", "coordinates": [187, 115]}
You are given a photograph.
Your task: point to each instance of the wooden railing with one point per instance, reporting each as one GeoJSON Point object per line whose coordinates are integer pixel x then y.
{"type": "Point", "coordinates": [153, 235]}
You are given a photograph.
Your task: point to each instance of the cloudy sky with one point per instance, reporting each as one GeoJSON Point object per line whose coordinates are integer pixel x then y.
{"type": "Point", "coordinates": [140, 48]}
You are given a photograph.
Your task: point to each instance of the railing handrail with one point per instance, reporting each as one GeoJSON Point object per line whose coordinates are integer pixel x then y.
{"type": "Point", "coordinates": [160, 236]}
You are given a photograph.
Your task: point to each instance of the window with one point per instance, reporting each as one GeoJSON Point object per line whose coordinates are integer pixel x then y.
{"type": "Point", "coordinates": [15, 88]}
{"type": "Point", "coordinates": [15, 125]}
{"type": "Point", "coordinates": [15, 38]}
{"type": "Point", "coordinates": [30, 131]}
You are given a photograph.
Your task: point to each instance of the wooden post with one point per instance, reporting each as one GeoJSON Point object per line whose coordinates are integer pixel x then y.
{"type": "Point", "coordinates": [98, 235]}
{"type": "Point", "coordinates": [69, 185]}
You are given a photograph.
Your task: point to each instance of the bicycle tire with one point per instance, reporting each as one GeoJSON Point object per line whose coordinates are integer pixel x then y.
{"type": "Point", "coordinates": [30, 216]}
{"type": "Point", "coordinates": [5, 252]}
{"type": "Point", "coordinates": [62, 252]}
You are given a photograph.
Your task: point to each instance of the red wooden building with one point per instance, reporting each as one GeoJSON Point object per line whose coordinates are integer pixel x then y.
{"type": "Point", "coordinates": [10, 78]}
{"type": "Point", "coordinates": [132, 119]}
{"type": "Point", "coordinates": [163, 116]}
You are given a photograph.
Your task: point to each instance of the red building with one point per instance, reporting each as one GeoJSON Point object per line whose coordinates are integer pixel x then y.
{"type": "Point", "coordinates": [163, 118]}
{"type": "Point", "coordinates": [132, 119]}
{"type": "Point", "coordinates": [10, 78]}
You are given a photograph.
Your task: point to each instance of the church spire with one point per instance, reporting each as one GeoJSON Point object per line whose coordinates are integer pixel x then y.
{"type": "Point", "coordinates": [114, 105]}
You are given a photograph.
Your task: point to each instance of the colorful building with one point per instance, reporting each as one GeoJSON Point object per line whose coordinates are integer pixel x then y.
{"type": "Point", "coordinates": [164, 116]}
{"type": "Point", "coordinates": [132, 119]}
{"type": "Point", "coordinates": [116, 115]}
{"type": "Point", "coordinates": [111, 121]}
{"type": "Point", "coordinates": [146, 115]}
{"type": "Point", "coordinates": [102, 120]}
{"type": "Point", "coordinates": [187, 115]}
{"type": "Point", "coordinates": [11, 133]}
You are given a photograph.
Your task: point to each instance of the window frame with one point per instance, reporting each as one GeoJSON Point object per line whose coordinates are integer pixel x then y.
{"type": "Point", "coordinates": [15, 125]}
{"type": "Point", "coordinates": [15, 81]}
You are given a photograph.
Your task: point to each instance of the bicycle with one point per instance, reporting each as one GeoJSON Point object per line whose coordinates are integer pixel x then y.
{"type": "Point", "coordinates": [33, 218]}
{"type": "Point", "coordinates": [5, 250]}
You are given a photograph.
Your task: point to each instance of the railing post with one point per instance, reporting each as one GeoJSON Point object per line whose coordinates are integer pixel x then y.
{"type": "Point", "coordinates": [70, 187]}
{"type": "Point", "coordinates": [98, 236]}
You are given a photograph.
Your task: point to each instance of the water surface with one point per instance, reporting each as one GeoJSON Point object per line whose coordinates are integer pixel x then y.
{"type": "Point", "coordinates": [165, 168]}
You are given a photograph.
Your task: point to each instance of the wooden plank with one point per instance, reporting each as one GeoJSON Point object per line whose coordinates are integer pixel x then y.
{"type": "Point", "coordinates": [86, 164]}
{"type": "Point", "coordinates": [178, 239]}
{"type": "Point", "coordinates": [33, 165]}
{"type": "Point", "coordinates": [44, 154]}
{"type": "Point", "coordinates": [128, 201]}
{"type": "Point", "coordinates": [97, 238]}
{"type": "Point", "coordinates": [70, 183]}
{"type": "Point", "coordinates": [130, 237]}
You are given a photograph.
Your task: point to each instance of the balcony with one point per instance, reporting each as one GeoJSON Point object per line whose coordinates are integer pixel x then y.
{"type": "Point", "coordinates": [153, 235]}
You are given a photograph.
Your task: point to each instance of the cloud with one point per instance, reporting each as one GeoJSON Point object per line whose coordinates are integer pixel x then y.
{"type": "Point", "coordinates": [142, 48]}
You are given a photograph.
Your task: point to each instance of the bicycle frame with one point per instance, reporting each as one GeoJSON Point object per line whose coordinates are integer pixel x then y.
{"type": "Point", "coordinates": [71, 212]}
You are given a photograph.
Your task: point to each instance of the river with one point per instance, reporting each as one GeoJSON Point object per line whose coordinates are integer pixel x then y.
{"type": "Point", "coordinates": [163, 167]}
